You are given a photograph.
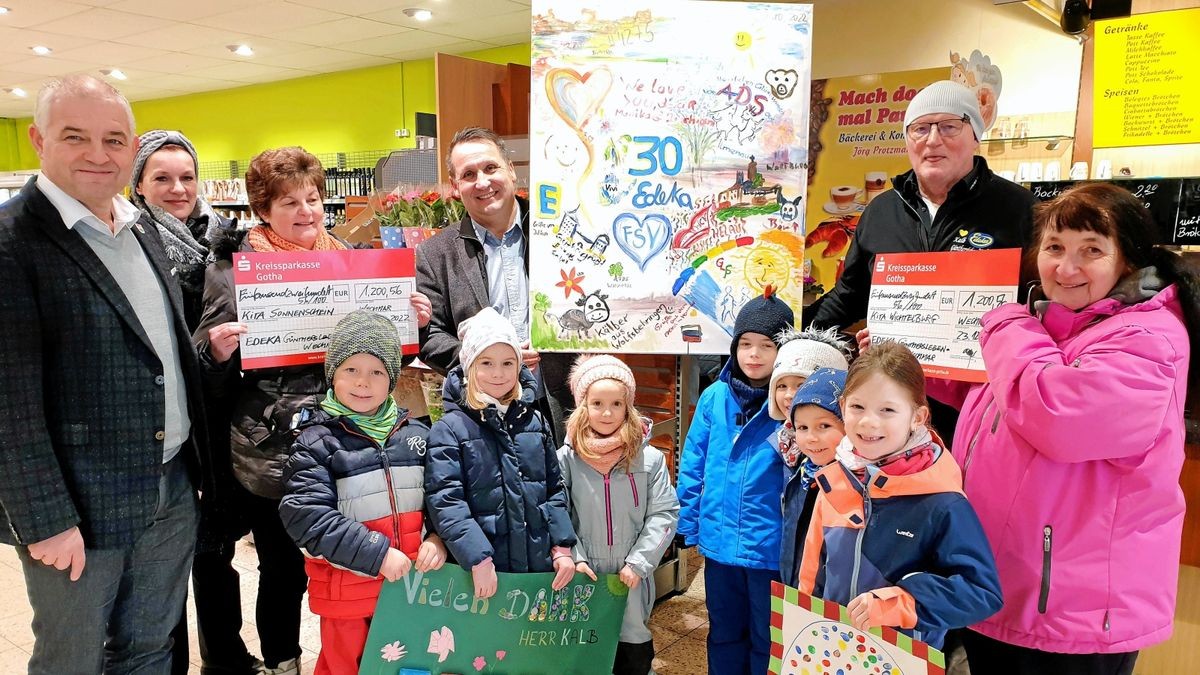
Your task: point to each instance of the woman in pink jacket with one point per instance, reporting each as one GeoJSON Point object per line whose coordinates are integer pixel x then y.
{"type": "Point", "coordinates": [1071, 452]}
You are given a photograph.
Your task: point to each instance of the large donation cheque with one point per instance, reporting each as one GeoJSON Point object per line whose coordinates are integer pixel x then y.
{"type": "Point", "coordinates": [292, 301]}
{"type": "Point", "coordinates": [933, 303]}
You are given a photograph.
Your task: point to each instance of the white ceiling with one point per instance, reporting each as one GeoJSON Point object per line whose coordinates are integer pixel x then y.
{"type": "Point", "coordinates": [172, 47]}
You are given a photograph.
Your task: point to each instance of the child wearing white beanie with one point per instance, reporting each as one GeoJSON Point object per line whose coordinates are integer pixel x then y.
{"type": "Point", "coordinates": [488, 333]}
{"type": "Point", "coordinates": [800, 354]}
{"type": "Point", "coordinates": [492, 467]}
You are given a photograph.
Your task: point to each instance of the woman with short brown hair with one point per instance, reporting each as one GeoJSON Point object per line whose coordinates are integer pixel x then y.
{"type": "Point", "coordinates": [286, 189]}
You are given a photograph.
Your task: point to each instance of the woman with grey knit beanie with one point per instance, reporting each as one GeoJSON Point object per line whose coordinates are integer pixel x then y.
{"type": "Point", "coordinates": [165, 185]}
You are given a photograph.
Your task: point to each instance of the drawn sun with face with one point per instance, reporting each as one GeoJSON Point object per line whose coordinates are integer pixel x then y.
{"type": "Point", "coordinates": [767, 265]}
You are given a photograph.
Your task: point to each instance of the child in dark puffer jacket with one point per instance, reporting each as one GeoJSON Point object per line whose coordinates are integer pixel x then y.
{"type": "Point", "coordinates": [494, 490]}
{"type": "Point", "coordinates": [355, 489]}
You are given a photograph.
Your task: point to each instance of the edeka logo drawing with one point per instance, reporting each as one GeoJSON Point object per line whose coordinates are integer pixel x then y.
{"type": "Point", "coordinates": [433, 623]}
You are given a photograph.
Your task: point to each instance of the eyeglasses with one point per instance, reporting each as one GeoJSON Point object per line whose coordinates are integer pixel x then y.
{"type": "Point", "coordinates": [919, 131]}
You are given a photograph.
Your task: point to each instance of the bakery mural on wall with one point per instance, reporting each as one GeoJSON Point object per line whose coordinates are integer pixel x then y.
{"type": "Point", "coordinates": [668, 169]}
{"type": "Point", "coordinates": [856, 146]}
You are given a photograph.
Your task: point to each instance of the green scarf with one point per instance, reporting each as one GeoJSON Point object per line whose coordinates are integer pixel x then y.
{"type": "Point", "coordinates": [377, 426]}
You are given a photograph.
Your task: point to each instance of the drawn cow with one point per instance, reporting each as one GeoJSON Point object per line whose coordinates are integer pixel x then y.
{"type": "Point", "coordinates": [580, 321]}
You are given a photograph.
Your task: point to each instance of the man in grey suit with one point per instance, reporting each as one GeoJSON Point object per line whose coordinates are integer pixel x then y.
{"type": "Point", "coordinates": [100, 404]}
{"type": "Point", "coordinates": [484, 262]}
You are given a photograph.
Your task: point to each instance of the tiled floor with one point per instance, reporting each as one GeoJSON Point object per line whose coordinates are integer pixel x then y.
{"type": "Point", "coordinates": [679, 624]}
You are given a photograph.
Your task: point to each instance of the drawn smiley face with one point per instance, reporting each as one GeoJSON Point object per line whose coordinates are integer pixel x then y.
{"type": "Point", "coordinates": [742, 40]}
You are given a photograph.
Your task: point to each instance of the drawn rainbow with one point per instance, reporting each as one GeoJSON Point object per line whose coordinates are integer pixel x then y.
{"type": "Point", "coordinates": [713, 252]}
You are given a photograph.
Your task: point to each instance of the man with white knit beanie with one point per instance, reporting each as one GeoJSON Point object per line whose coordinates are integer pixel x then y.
{"type": "Point", "coordinates": [949, 201]}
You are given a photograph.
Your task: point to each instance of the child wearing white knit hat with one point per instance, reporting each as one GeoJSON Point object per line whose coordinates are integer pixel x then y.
{"type": "Point", "coordinates": [493, 490]}
{"type": "Point", "coordinates": [800, 354]}
{"type": "Point", "coordinates": [623, 506]}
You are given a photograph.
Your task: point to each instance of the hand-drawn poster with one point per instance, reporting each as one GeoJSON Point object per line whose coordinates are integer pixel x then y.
{"type": "Point", "coordinates": [426, 624]}
{"type": "Point", "coordinates": [810, 636]}
{"type": "Point", "coordinates": [291, 302]}
{"type": "Point", "coordinates": [933, 304]}
{"type": "Point", "coordinates": [668, 170]}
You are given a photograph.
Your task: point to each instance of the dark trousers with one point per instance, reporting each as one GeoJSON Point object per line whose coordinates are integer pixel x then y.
{"type": "Point", "coordinates": [118, 616]}
{"type": "Point", "coordinates": [218, 598]}
{"type": "Point", "coordinates": [992, 657]}
{"type": "Point", "coordinates": [180, 653]}
{"type": "Point", "coordinates": [634, 658]}
{"type": "Point", "coordinates": [219, 611]}
{"type": "Point", "coordinates": [281, 582]}
{"type": "Point", "coordinates": [739, 641]}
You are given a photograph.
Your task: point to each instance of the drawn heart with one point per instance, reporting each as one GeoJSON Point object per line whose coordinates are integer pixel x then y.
{"type": "Point", "coordinates": [642, 239]}
{"type": "Point", "coordinates": [576, 97]}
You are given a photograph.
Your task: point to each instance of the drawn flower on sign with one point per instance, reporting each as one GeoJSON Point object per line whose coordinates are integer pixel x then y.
{"type": "Point", "coordinates": [501, 654]}
{"type": "Point", "coordinates": [778, 135]}
{"type": "Point", "coordinates": [570, 283]}
{"type": "Point", "coordinates": [441, 643]}
{"type": "Point", "coordinates": [479, 662]}
{"type": "Point", "coordinates": [393, 652]}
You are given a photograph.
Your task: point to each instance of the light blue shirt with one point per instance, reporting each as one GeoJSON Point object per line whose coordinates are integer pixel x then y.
{"type": "Point", "coordinates": [124, 258]}
{"type": "Point", "coordinates": [507, 280]}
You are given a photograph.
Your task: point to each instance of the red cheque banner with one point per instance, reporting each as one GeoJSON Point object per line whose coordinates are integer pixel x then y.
{"type": "Point", "coordinates": [292, 301]}
{"type": "Point", "coordinates": [932, 302]}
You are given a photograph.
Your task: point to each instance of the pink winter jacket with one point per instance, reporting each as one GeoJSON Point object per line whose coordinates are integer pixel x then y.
{"type": "Point", "coordinates": [1071, 456]}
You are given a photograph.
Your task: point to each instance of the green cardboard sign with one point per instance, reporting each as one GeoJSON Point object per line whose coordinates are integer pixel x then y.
{"type": "Point", "coordinates": [429, 624]}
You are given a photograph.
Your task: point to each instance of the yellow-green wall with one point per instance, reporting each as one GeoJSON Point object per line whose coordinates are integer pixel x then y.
{"type": "Point", "coordinates": [349, 111]}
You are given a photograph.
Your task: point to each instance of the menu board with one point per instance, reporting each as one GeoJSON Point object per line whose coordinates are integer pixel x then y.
{"type": "Point", "coordinates": [1147, 85]}
{"type": "Point", "coordinates": [1172, 202]}
{"type": "Point", "coordinates": [1187, 222]}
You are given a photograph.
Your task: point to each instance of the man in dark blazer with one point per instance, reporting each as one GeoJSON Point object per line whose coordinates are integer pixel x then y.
{"type": "Point", "coordinates": [484, 262]}
{"type": "Point", "coordinates": [100, 403]}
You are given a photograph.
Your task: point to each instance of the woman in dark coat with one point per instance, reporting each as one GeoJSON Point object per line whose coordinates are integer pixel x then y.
{"type": "Point", "coordinates": [286, 189]}
{"type": "Point", "coordinates": [165, 186]}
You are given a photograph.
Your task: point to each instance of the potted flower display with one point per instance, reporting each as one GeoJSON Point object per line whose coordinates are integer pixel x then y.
{"type": "Point", "coordinates": [419, 212]}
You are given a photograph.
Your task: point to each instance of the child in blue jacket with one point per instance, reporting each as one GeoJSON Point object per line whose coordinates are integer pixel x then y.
{"type": "Point", "coordinates": [730, 479]}
{"type": "Point", "coordinates": [354, 500]}
{"type": "Point", "coordinates": [814, 430]}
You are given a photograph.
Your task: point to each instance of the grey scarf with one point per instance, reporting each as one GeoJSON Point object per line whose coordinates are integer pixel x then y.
{"type": "Point", "coordinates": [187, 244]}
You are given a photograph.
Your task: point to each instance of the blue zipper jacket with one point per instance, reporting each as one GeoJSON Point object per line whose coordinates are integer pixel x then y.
{"type": "Point", "coordinates": [913, 540]}
{"type": "Point", "coordinates": [730, 479]}
{"type": "Point", "coordinates": [798, 500]}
